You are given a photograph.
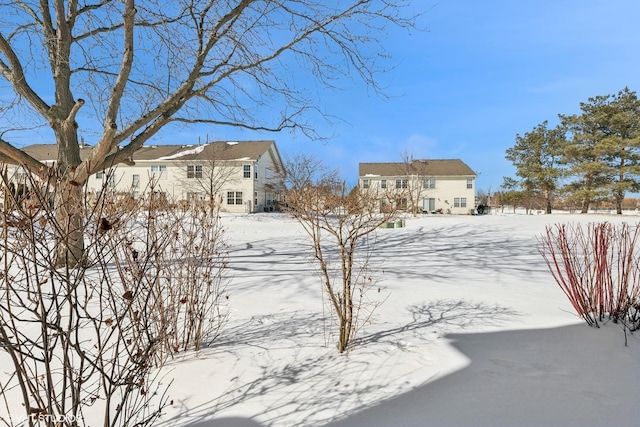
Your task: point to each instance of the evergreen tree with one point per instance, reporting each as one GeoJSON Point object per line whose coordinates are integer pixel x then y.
{"type": "Point", "coordinates": [511, 193]}
{"type": "Point", "coordinates": [535, 157]}
{"type": "Point", "coordinates": [621, 146]}
{"type": "Point", "coordinates": [604, 149]}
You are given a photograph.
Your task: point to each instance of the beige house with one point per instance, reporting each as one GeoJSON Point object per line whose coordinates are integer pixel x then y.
{"type": "Point", "coordinates": [244, 176]}
{"type": "Point", "coordinates": [428, 186]}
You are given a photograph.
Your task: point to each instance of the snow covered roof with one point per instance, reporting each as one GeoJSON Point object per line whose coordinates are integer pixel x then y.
{"type": "Point", "coordinates": [219, 150]}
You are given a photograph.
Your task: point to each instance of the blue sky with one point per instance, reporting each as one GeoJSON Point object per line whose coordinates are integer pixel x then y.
{"type": "Point", "coordinates": [484, 72]}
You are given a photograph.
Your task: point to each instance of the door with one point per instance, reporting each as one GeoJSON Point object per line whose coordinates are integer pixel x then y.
{"type": "Point", "coordinates": [428, 205]}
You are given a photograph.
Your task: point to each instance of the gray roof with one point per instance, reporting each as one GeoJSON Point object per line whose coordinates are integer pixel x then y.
{"type": "Point", "coordinates": [223, 150]}
{"type": "Point", "coordinates": [218, 150]}
{"type": "Point", "coordinates": [436, 167]}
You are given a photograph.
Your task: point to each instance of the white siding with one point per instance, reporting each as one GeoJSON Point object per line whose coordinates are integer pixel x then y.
{"type": "Point", "coordinates": [445, 193]}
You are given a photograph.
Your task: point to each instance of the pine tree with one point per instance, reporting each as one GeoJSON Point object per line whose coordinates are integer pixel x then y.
{"type": "Point", "coordinates": [535, 157]}
{"type": "Point", "coordinates": [603, 153]}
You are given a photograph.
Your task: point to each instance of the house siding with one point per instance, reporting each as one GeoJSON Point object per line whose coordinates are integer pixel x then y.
{"type": "Point", "coordinates": [449, 188]}
{"type": "Point", "coordinates": [173, 180]}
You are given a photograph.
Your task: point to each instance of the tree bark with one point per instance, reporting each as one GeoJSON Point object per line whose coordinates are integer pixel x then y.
{"type": "Point", "coordinates": [68, 201]}
{"type": "Point", "coordinates": [70, 226]}
{"type": "Point", "coordinates": [585, 206]}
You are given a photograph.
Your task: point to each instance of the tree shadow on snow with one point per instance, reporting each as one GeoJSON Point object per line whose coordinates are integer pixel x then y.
{"type": "Point", "coordinates": [478, 253]}
{"type": "Point", "coordinates": [445, 314]}
{"type": "Point", "coordinates": [320, 369]}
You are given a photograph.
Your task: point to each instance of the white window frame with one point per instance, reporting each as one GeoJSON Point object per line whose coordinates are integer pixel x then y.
{"type": "Point", "coordinates": [159, 170]}
{"type": "Point", "coordinates": [234, 198]}
{"type": "Point", "coordinates": [459, 202]}
{"type": "Point", "coordinates": [194, 171]}
{"type": "Point", "coordinates": [429, 183]}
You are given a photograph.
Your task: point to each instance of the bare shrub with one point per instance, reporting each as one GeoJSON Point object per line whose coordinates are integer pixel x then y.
{"type": "Point", "coordinates": [173, 262]}
{"type": "Point", "coordinates": [598, 269]}
{"type": "Point", "coordinates": [342, 228]}
{"type": "Point", "coordinates": [84, 342]}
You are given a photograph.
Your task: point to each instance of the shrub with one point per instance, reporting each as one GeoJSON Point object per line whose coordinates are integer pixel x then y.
{"type": "Point", "coordinates": [85, 342]}
{"type": "Point", "coordinates": [597, 268]}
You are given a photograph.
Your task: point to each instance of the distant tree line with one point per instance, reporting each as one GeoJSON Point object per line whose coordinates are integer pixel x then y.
{"type": "Point", "coordinates": [586, 160]}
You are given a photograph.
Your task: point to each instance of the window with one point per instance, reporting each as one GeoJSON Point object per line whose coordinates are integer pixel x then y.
{"type": "Point", "coordinates": [234, 197]}
{"type": "Point", "coordinates": [402, 183]}
{"type": "Point", "coordinates": [246, 171]}
{"type": "Point", "coordinates": [469, 182]}
{"type": "Point", "coordinates": [193, 196]}
{"type": "Point", "coordinates": [429, 183]}
{"type": "Point", "coordinates": [160, 170]}
{"type": "Point", "coordinates": [401, 203]}
{"type": "Point", "coordinates": [255, 171]}
{"type": "Point", "coordinates": [384, 205]}
{"type": "Point", "coordinates": [365, 183]}
{"type": "Point", "coordinates": [459, 202]}
{"type": "Point", "coordinates": [135, 183]}
{"type": "Point", "coordinates": [194, 171]}
{"type": "Point", "coordinates": [99, 175]}
{"type": "Point", "coordinates": [383, 183]}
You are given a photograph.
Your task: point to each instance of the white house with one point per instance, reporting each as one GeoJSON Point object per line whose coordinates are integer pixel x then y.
{"type": "Point", "coordinates": [244, 176]}
{"type": "Point", "coordinates": [428, 186]}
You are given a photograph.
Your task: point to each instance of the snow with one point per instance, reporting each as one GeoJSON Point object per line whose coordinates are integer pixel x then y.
{"type": "Point", "coordinates": [472, 332]}
{"type": "Point", "coordinates": [196, 150]}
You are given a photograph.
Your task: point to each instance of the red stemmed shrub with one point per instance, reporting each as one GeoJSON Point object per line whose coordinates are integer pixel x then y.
{"type": "Point", "coordinates": [598, 269]}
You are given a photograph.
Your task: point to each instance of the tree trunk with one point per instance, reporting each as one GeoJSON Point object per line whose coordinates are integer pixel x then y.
{"type": "Point", "coordinates": [585, 206]}
{"type": "Point", "coordinates": [70, 221]}
{"type": "Point", "coordinates": [68, 202]}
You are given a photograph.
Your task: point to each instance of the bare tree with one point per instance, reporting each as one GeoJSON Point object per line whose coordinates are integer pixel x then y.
{"type": "Point", "coordinates": [303, 170]}
{"type": "Point", "coordinates": [121, 71]}
{"type": "Point", "coordinates": [341, 226]}
{"type": "Point", "coordinates": [417, 181]}
{"type": "Point", "coordinates": [209, 177]}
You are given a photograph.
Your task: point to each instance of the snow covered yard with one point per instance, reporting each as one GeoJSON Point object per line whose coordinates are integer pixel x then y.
{"type": "Point", "coordinates": [473, 332]}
